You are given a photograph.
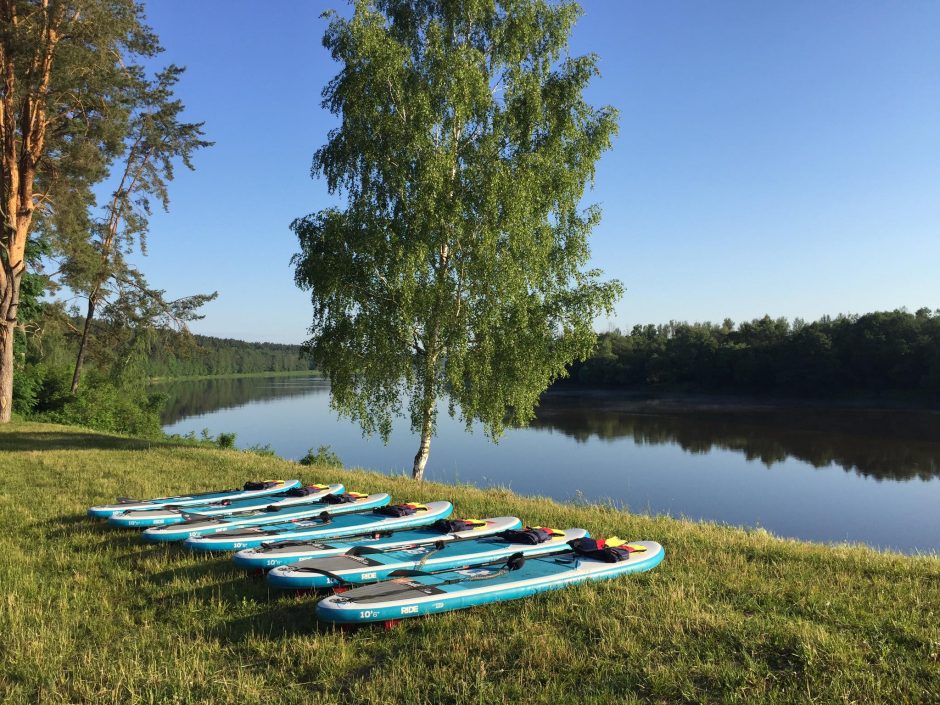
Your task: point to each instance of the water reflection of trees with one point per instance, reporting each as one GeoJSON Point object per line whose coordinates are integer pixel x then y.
{"type": "Point", "coordinates": [197, 397]}
{"type": "Point", "coordinates": [892, 445]}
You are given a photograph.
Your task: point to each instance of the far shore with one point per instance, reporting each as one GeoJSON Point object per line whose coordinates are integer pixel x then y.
{"type": "Point", "coordinates": [645, 401]}
{"type": "Point", "coordinates": [235, 375]}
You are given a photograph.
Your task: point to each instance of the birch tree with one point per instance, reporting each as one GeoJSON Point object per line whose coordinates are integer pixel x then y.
{"type": "Point", "coordinates": [456, 266]}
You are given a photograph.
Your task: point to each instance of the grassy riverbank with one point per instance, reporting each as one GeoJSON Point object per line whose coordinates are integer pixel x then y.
{"type": "Point", "coordinates": [92, 614]}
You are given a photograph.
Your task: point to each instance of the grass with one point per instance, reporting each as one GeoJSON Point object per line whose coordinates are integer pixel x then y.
{"type": "Point", "coordinates": [90, 614]}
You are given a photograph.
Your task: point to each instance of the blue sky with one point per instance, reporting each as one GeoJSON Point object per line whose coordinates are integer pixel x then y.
{"type": "Point", "coordinates": [779, 158]}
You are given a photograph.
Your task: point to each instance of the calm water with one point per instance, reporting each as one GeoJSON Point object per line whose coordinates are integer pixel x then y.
{"type": "Point", "coordinates": [821, 475]}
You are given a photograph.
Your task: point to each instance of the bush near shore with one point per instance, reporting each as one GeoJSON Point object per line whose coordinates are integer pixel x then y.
{"type": "Point", "coordinates": [93, 614]}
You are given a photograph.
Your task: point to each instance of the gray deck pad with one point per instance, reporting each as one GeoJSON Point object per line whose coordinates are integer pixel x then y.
{"type": "Point", "coordinates": [399, 589]}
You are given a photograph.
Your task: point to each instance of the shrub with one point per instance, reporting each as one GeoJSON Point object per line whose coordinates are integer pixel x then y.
{"type": "Point", "coordinates": [259, 449]}
{"type": "Point", "coordinates": [324, 455]}
{"type": "Point", "coordinates": [102, 405]}
{"type": "Point", "coordinates": [224, 440]}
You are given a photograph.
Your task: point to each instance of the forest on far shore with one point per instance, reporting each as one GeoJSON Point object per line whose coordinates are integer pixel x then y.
{"type": "Point", "coordinates": [885, 352]}
{"type": "Point", "coordinates": [223, 356]}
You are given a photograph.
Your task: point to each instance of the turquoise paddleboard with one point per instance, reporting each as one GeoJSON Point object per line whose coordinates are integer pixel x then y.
{"type": "Point", "coordinates": [197, 525]}
{"type": "Point", "coordinates": [250, 489]}
{"type": "Point", "coordinates": [142, 518]}
{"type": "Point", "coordinates": [315, 529]}
{"type": "Point", "coordinates": [369, 565]}
{"type": "Point", "coordinates": [420, 593]}
{"type": "Point", "coordinates": [274, 553]}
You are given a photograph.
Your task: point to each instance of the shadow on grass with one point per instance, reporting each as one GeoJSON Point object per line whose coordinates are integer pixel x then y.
{"type": "Point", "coordinates": [78, 440]}
{"type": "Point", "coordinates": [279, 619]}
{"type": "Point", "coordinates": [276, 615]}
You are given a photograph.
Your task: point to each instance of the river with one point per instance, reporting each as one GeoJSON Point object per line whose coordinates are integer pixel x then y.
{"type": "Point", "coordinates": [811, 473]}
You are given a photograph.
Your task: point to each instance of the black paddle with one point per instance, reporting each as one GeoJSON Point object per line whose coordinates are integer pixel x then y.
{"type": "Point", "coordinates": [513, 562]}
{"type": "Point", "coordinates": [273, 509]}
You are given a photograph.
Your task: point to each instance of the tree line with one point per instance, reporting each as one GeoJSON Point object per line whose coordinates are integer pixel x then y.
{"type": "Point", "coordinates": [206, 355]}
{"type": "Point", "coordinates": [895, 352]}
{"type": "Point", "coordinates": [115, 394]}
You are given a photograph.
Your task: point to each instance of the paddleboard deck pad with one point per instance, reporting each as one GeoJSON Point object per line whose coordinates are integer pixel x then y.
{"type": "Point", "coordinates": [250, 489]}
{"type": "Point", "coordinates": [143, 518]}
{"type": "Point", "coordinates": [431, 593]}
{"type": "Point", "coordinates": [316, 528]}
{"type": "Point", "coordinates": [369, 565]}
{"type": "Point", "coordinates": [272, 554]}
{"type": "Point", "coordinates": [196, 525]}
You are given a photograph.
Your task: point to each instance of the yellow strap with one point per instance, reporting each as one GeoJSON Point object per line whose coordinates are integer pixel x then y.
{"type": "Point", "coordinates": [614, 541]}
{"type": "Point", "coordinates": [417, 505]}
{"type": "Point", "coordinates": [477, 523]}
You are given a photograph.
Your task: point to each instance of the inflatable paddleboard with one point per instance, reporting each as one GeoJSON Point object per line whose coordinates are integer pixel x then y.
{"type": "Point", "coordinates": [370, 565]}
{"type": "Point", "coordinates": [271, 554]}
{"type": "Point", "coordinates": [420, 593]}
{"type": "Point", "coordinates": [196, 525]}
{"type": "Point", "coordinates": [250, 489]}
{"type": "Point", "coordinates": [176, 515]}
{"type": "Point", "coordinates": [306, 530]}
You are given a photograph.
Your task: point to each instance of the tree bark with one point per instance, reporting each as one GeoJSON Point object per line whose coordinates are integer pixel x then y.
{"type": "Point", "coordinates": [80, 358]}
{"type": "Point", "coordinates": [8, 305]}
{"type": "Point", "coordinates": [427, 411]}
{"type": "Point", "coordinates": [6, 371]}
{"type": "Point", "coordinates": [22, 140]}
{"type": "Point", "coordinates": [424, 450]}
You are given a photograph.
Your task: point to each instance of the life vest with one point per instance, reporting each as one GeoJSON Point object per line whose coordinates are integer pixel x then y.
{"type": "Point", "coordinates": [305, 491]}
{"type": "Point", "coordinates": [452, 526]}
{"type": "Point", "coordinates": [531, 535]}
{"type": "Point", "coordinates": [262, 485]}
{"type": "Point", "coordinates": [612, 550]}
{"type": "Point", "coordinates": [345, 498]}
{"type": "Point", "coordinates": [401, 510]}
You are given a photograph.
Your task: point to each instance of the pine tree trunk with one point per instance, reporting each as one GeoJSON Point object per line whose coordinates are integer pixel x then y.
{"type": "Point", "coordinates": [6, 370]}
{"type": "Point", "coordinates": [8, 306]}
{"type": "Point", "coordinates": [80, 359]}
